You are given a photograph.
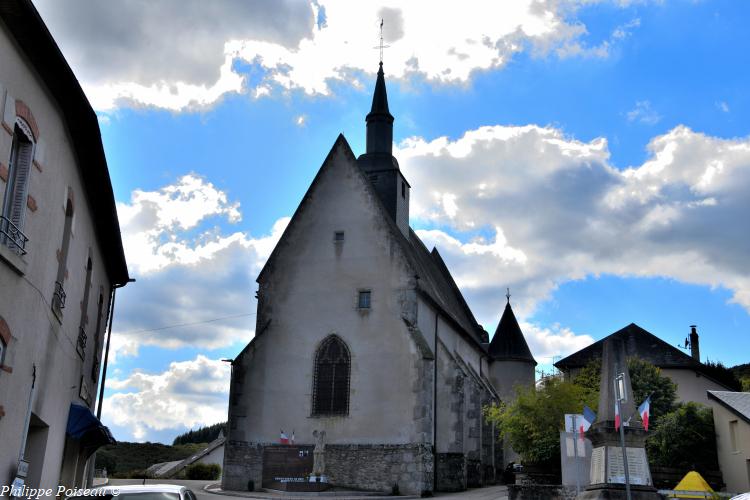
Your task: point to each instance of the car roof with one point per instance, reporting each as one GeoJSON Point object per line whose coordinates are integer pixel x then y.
{"type": "Point", "coordinates": [143, 488]}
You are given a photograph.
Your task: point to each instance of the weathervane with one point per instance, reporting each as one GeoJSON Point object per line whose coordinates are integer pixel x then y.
{"type": "Point", "coordinates": [381, 46]}
{"type": "Point", "coordinates": [507, 295]}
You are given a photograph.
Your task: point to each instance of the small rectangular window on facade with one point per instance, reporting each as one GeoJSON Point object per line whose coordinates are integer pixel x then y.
{"type": "Point", "coordinates": [403, 189]}
{"type": "Point", "coordinates": [733, 436]}
{"type": "Point", "coordinates": [338, 236]}
{"type": "Point", "coordinates": [364, 299]}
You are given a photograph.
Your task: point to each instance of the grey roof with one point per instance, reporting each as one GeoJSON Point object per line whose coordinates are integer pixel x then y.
{"type": "Point", "coordinates": [380, 99]}
{"type": "Point", "coordinates": [508, 343]}
{"type": "Point", "coordinates": [638, 342]}
{"type": "Point", "coordinates": [436, 282]}
{"type": "Point", "coordinates": [736, 402]}
{"type": "Point", "coordinates": [642, 344]}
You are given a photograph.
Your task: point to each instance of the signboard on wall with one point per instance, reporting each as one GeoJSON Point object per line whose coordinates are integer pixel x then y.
{"type": "Point", "coordinates": [287, 467]}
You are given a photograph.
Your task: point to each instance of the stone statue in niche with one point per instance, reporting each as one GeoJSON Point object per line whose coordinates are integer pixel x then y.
{"type": "Point", "coordinates": [319, 460]}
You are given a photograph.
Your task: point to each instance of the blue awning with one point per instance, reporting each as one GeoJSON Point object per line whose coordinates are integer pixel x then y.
{"type": "Point", "coordinates": [83, 426]}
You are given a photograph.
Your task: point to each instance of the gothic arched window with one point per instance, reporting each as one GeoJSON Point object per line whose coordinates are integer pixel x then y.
{"type": "Point", "coordinates": [331, 378]}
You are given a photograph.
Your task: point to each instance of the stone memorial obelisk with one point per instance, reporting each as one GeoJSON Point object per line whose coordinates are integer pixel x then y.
{"type": "Point", "coordinates": [608, 472]}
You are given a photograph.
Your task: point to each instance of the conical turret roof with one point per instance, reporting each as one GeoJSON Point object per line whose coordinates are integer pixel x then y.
{"type": "Point", "coordinates": [380, 99]}
{"type": "Point", "coordinates": [508, 343]}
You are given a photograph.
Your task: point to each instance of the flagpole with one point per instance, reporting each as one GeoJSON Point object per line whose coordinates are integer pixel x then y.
{"type": "Point", "coordinates": [575, 455]}
{"type": "Point", "coordinates": [622, 435]}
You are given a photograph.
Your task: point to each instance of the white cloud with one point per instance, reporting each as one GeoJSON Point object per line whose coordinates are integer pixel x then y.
{"type": "Point", "coordinates": [554, 209]}
{"type": "Point", "coordinates": [722, 106]}
{"type": "Point", "coordinates": [547, 343]}
{"type": "Point", "coordinates": [643, 113]}
{"type": "Point", "coordinates": [179, 54]}
{"type": "Point", "coordinates": [188, 394]}
{"type": "Point", "coordinates": [187, 268]}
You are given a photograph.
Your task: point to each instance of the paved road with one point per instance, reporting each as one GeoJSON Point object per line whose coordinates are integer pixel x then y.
{"type": "Point", "coordinates": [489, 493]}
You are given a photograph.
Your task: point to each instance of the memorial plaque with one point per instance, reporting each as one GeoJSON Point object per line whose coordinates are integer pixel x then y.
{"type": "Point", "coordinates": [287, 467]}
{"type": "Point", "coordinates": [637, 466]}
{"type": "Point", "coordinates": [597, 465]}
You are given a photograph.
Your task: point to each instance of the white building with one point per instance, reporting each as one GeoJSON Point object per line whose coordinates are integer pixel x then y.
{"type": "Point", "coordinates": [363, 333]}
{"type": "Point", "coordinates": [732, 425]}
{"type": "Point", "coordinates": [60, 257]}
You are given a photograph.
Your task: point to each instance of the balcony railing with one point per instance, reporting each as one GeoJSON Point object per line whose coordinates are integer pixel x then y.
{"type": "Point", "coordinates": [59, 296]}
{"type": "Point", "coordinates": [11, 236]}
{"type": "Point", "coordinates": [82, 338]}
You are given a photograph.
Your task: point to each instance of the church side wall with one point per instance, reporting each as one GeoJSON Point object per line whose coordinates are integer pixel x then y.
{"type": "Point", "coordinates": [465, 448]}
{"type": "Point", "coordinates": [310, 293]}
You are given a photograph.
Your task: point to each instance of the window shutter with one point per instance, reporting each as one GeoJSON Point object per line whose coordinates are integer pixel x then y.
{"type": "Point", "coordinates": [21, 170]}
{"type": "Point", "coordinates": [9, 113]}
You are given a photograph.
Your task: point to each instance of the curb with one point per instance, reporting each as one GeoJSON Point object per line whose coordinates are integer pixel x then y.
{"type": "Point", "coordinates": [267, 496]}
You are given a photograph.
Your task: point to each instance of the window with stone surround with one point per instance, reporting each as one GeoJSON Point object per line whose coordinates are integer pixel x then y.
{"type": "Point", "coordinates": [16, 189]}
{"type": "Point", "coordinates": [331, 378]}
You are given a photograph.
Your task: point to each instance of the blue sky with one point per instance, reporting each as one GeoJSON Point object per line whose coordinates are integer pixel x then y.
{"type": "Point", "coordinates": [592, 156]}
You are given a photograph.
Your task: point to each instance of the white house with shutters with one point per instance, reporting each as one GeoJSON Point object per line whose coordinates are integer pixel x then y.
{"type": "Point", "coordinates": [61, 258]}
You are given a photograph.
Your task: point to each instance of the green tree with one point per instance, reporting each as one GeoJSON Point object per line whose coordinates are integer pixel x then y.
{"type": "Point", "coordinates": [685, 439]}
{"type": "Point", "coordinates": [646, 380]}
{"type": "Point", "coordinates": [531, 423]}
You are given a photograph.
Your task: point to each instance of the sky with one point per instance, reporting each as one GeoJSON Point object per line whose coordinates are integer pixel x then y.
{"type": "Point", "coordinates": [593, 156]}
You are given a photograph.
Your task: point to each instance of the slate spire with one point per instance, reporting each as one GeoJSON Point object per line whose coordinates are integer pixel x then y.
{"type": "Point", "coordinates": [508, 342]}
{"type": "Point", "coordinates": [379, 119]}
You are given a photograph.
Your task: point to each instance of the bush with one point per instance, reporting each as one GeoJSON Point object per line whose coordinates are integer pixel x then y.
{"type": "Point", "coordinates": [685, 439]}
{"type": "Point", "coordinates": [203, 471]}
{"type": "Point", "coordinates": [532, 422]}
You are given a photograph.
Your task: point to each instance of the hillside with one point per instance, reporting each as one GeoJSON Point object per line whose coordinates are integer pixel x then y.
{"type": "Point", "coordinates": [201, 435]}
{"type": "Point", "coordinates": [742, 372]}
{"type": "Point", "coordinates": [128, 459]}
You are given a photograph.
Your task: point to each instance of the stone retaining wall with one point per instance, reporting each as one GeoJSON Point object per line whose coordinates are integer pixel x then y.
{"type": "Point", "coordinates": [243, 462]}
{"type": "Point", "coordinates": [358, 466]}
{"type": "Point", "coordinates": [381, 467]}
{"type": "Point", "coordinates": [541, 492]}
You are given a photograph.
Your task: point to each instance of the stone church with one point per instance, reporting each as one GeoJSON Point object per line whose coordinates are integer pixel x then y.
{"type": "Point", "coordinates": [363, 333]}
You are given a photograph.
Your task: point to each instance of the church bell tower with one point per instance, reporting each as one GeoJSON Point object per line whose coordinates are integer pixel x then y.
{"type": "Point", "coordinates": [378, 162]}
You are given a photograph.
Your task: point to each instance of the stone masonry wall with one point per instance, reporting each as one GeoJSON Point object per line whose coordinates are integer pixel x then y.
{"type": "Point", "coordinates": [381, 467]}
{"type": "Point", "coordinates": [451, 472]}
{"type": "Point", "coordinates": [243, 462]}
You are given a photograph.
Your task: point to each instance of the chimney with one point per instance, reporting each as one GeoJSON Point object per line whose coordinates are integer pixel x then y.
{"type": "Point", "coordinates": [695, 350]}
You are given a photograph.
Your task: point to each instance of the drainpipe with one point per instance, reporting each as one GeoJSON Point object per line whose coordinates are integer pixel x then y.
{"type": "Point", "coordinates": [434, 410]}
{"type": "Point", "coordinates": [110, 316]}
{"type": "Point", "coordinates": [110, 319]}
{"type": "Point", "coordinates": [28, 415]}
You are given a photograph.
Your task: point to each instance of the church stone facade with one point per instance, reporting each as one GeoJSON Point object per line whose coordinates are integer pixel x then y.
{"type": "Point", "coordinates": [362, 333]}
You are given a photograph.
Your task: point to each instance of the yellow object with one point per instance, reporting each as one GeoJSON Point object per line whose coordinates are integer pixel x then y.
{"type": "Point", "coordinates": [692, 482]}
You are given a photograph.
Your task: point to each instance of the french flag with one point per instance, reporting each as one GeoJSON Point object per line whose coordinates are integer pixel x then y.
{"type": "Point", "coordinates": [645, 410]}
{"type": "Point", "coordinates": [617, 416]}
{"type": "Point", "coordinates": [589, 417]}
{"type": "Point", "coordinates": [283, 439]}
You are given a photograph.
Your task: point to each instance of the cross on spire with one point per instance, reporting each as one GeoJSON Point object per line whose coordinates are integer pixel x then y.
{"type": "Point", "coordinates": [381, 46]}
{"type": "Point", "coordinates": [507, 295]}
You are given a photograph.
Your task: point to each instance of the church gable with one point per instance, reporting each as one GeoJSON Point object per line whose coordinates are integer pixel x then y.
{"type": "Point", "coordinates": [338, 177]}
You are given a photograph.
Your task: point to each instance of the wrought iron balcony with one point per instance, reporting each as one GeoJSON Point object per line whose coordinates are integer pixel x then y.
{"type": "Point", "coordinates": [11, 236]}
{"type": "Point", "coordinates": [82, 338]}
{"type": "Point", "coordinates": [58, 298]}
